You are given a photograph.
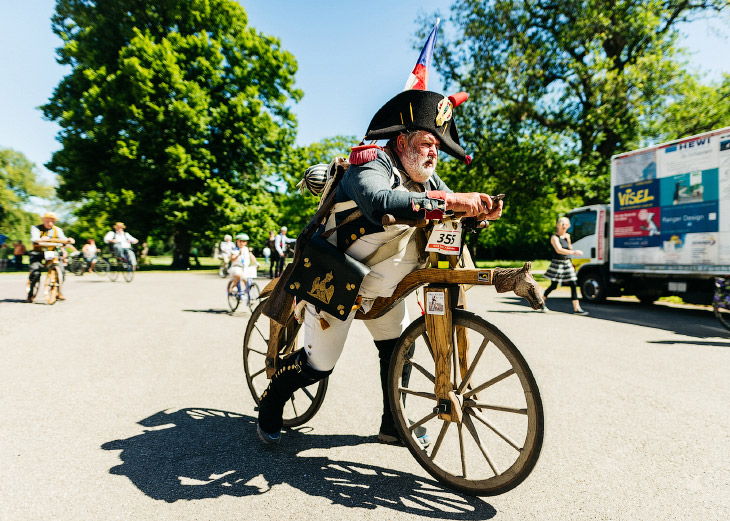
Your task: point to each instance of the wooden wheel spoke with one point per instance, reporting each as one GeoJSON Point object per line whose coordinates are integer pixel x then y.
{"type": "Point", "coordinates": [422, 394]}
{"type": "Point", "coordinates": [254, 375]}
{"type": "Point", "coordinates": [489, 383]}
{"type": "Point", "coordinates": [439, 440]}
{"type": "Point", "coordinates": [473, 366]}
{"type": "Point", "coordinates": [293, 405]}
{"type": "Point", "coordinates": [462, 450]}
{"type": "Point", "coordinates": [261, 333]}
{"type": "Point", "coordinates": [252, 350]}
{"type": "Point", "coordinates": [422, 370]}
{"type": "Point", "coordinates": [428, 343]}
{"type": "Point", "coordinates": [456, 372]}
{"type": "Point", "coordinates": [474, 434]}
{"type": "Point", "coordinates": [479, 416]}
{"type": "Point", "coordinates": [306, 391]}
{"type": "Point", "coordinates": [484, 405]}
{"type": "Point", "coordinates": [422, 421]}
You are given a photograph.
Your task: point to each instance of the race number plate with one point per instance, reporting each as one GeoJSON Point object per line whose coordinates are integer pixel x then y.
{"type": "Point", "coordinates": [49, 254]}
{"type": "Point", "coordinates": [445, 238]}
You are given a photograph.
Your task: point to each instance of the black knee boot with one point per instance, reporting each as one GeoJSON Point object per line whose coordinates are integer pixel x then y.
{"type": "Point", "coordinates": [294, 373]}
{"type": "Point", "coordinates": [388, 432]}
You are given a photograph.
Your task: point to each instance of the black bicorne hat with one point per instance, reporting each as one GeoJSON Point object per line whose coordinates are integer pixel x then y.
{"type": "Point", "coordinates": [420, 110]}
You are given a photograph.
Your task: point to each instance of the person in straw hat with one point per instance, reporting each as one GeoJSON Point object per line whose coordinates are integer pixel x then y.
{"type": "Point", "coordinates": [121, 243]}
{"type": "Point", "coordinates": [46, 232]}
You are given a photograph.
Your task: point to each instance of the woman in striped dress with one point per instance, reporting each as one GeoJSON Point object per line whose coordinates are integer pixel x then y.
{"type": "Point", "coordinates": [561, 270]}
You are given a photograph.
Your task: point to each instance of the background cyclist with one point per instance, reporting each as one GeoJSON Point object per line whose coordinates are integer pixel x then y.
{"type": "Point", "coordinates": [242, 259]}
{"type": "Point", "coordinates": [45, 232]}
{"type": "Point", "coordinates": [121, 243]}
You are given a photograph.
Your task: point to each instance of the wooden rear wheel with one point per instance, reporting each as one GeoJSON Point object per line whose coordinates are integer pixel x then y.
{"type": "Point", "coordinates": [305, 402]}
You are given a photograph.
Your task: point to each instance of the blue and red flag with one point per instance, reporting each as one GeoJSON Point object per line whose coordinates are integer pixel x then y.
{"type": "Point", "coordinates": [418, 79]}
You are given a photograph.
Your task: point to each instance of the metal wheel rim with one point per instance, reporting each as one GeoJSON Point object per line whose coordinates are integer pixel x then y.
{"type": "Point", "coordinates": [52, 286]}
{"type": "Point", "coordinates": [113, 270]}
{"type": "Point", "coordinates": [127, 271]}
{"type": "Point", "coordinates": [723, 315]}
{"type": "Point", "coordinates": [304, 403]}
{"type": "Point", "coordinates": [254, 296]}
{"type": "Point", "coordinates": [450, 443]}
{"type": "Point", "coordinates": [101, 267]}
{"type": "Point", "coordinates": [233, 299]}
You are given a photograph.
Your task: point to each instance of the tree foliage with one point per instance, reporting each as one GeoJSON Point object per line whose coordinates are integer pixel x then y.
{"type": "Point", "coordinates": [695, 109]}
{"type": "Point", "coordinates": [556, 89]}
{"type": "Point", "coordinates": [172, 115]}
{"type": "Point", "coordinates": [18, 184]}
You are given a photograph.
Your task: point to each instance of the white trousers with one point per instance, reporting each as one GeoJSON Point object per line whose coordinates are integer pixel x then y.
{"type": "Point", "coordinates": [324, 347]}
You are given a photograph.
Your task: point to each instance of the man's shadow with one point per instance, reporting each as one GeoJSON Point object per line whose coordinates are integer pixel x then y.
{"type": "Point", "coordinates": [199, 453]}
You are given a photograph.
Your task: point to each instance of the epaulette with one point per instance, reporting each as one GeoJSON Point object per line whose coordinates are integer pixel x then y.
{"type": "Point", "coordinates": [362, 154]}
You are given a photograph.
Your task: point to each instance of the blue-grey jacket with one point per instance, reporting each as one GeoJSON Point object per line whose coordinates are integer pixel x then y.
{"type": "Point", "coordinates": [374, 188]}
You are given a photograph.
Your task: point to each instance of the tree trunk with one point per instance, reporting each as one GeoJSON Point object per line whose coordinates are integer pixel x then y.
{"type": "Point", "coordinates": [181, 252]}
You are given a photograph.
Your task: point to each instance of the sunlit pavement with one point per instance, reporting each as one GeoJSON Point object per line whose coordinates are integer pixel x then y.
{"type": "Point", "coordinates": [128, 401]}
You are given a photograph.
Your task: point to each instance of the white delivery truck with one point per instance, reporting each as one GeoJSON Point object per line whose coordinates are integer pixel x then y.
{"type": "Point", "coordinates": [667, 229]}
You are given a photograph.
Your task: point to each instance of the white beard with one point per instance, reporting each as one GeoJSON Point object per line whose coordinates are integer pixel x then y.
{"type": "Point", "coordinates": [420, 170]}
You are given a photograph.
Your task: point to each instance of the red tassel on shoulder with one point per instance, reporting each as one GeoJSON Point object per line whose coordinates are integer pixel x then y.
{"type": "Point", "coordinates": [362, 154]}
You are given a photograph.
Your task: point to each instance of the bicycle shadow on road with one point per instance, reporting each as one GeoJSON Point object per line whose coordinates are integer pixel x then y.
{"type": "Point", "coordinates": [212, 311]}
{"type": "Point", "coordinates": [692, 322]}
{"type": "Point", "coordinates": [198, 453]}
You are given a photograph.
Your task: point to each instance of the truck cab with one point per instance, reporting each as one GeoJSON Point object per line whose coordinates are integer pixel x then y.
{"type": "Point", "coordinates": [589, 231]}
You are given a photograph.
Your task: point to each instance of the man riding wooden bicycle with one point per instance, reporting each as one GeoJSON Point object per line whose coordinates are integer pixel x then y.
{"type": "Point", "coordinates": [398, 179]}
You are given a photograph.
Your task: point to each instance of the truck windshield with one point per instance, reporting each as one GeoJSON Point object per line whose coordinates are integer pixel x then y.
{"type": "Point", "coordinates": [582, 225]}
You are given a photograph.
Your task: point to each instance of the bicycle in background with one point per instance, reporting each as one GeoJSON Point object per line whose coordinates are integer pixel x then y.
{"type": "Point", "coordinates": [78, 265]}
{"type": "Point", "coordinates": [251, 295]}
{"type": "Point", "coordinates": [54, 276]}
{"type": "Point", "coordinates": [721, 301]}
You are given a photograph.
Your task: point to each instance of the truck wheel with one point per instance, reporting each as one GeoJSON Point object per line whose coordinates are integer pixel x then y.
{"type": "Point", "coordinates": [647, 300]}
{"type": "Point", "coordinates": [592, 288]}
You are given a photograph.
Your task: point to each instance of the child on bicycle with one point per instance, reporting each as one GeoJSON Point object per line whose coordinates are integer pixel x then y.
{"type": "Point", "coordinates": [242, 260]}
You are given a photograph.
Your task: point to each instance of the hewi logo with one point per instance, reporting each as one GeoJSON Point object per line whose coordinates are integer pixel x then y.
{"type": "Point", "coordinates": [629, 197]}
{"type": "Point", "coordinates": [688, 144]}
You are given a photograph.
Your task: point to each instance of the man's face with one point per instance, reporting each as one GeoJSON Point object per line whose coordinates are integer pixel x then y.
{"type": "Point", "coordinates": [118, 229]}
{"type": "Point", "coordinates": [419, 155]}
{"type": "Point", "coordinates": [48, 222]}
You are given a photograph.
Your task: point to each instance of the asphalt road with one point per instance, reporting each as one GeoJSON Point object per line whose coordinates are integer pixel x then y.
{"type": "Point", "coordinates": [128, 401]}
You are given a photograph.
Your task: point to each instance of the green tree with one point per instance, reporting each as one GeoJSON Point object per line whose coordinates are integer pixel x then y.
{"type": "Point", "coordinates": [18, 183]}
{"type": "Point", "coordinates": [171, 116]}
{"type": "Point", "coordinates": [697, 108]}
{"type": "Point", "coordinates": [556, 89]}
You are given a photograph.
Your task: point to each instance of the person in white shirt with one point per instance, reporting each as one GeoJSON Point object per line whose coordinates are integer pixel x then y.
{"type": "Point", "coordinates": [241, 260]}
{"type": "Point", "coordinates": [89, 250]}
{"type": "Point", "coordinates": [226, 248]}
{"type": "Point", "coordinates": [121, 242]}
{"type": "Point", "coordinates": [280, 245]}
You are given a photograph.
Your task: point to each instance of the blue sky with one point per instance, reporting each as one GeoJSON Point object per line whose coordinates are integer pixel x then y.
{"type": "Point", "coordinates": [352, 56]}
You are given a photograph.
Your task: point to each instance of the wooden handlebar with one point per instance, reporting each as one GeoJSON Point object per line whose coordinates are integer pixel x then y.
{"type": "Point", "coordinates": [389, 220]}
